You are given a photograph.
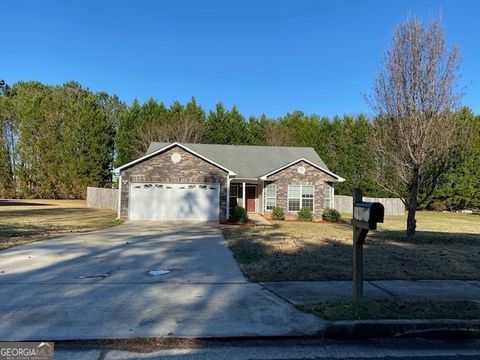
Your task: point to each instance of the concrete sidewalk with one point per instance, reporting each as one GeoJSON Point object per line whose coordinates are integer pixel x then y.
{"type": "Point", "coordinates": [311, 292]}
{"type": "Point", "coordinates": [258, 220]}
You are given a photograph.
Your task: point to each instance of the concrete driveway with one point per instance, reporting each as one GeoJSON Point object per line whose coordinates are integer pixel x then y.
{"type": "Point", "coordinates": [96, 286]}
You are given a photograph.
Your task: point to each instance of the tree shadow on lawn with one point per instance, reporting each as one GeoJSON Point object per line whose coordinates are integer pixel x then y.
{"type": "Point", "coordinates": [13, 234]}
{"type": "Point", "coordinates": [429, 237]}
{"type": "Point", "coordinates": [279, 255]}
{"type": "Point", "coordinates": [19, 230]}
{"type": "Point", "coordinates": [32, 213]}
{"type": "Point", "coordinates": [21, 203]}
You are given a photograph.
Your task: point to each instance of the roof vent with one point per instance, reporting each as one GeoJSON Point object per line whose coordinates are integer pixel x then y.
{"type": "Point", "coordinates": [176, 157]}
{"type": "Point", "coordinates": [301, 170]}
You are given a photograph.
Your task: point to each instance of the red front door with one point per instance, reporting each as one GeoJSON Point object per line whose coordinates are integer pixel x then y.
{"type": "Point", "coordinates": [250, 193]}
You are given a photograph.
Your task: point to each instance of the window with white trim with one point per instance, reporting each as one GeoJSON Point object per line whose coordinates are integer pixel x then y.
{"type": "Point", "coordinates": [270, 196]}
{"type": "Point", "coordinates": [300, 196]}
{"type": "Point", "coordinates": [233, 195]}
{"type": "Point", "coordinates": [328, 203]}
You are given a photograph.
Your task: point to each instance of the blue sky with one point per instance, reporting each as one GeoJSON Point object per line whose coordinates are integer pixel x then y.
{"type": "Point", "coordinates": [267, 57]}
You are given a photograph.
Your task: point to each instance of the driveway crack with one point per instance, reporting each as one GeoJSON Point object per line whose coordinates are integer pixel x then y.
{"type": "Point", "coordinates": [278, 295]}
{"type": "Point", "coordinates": [382, 289]}
{"type": "Point", "coordinates": [471, 282]}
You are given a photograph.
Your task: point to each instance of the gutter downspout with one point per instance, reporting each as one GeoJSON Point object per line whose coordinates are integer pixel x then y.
{"type": "Point", "coordinates": [243, 194]}
{"type": "Point", "coordinates": [119, 196]}
{"type": "Point", "coordinates": [227, 210]}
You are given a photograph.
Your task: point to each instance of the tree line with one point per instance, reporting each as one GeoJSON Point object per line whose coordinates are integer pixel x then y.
{"type": "Point", "coordinates": [57, 140]}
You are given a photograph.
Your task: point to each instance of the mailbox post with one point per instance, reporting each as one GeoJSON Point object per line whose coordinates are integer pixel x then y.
{"type": "Point", "coordinates": [366, 215]}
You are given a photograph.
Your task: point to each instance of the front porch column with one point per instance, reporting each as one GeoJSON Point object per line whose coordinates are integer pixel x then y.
{"type": "Point", "coordinates": [243, 195]}
{"type": "Point", "coordinates": [119, 197]}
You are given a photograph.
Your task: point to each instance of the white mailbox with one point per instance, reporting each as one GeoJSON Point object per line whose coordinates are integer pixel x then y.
{"type": "Point", "coordinates": [369, 213]}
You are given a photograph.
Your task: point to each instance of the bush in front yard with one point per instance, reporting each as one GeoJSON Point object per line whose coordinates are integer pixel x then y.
{"type": "Point", "coordinates": [331, 215]}
{"type": "Point", "coordinates": [305, 214]}
{"type": "Point", "coordinates": [278, 214]}
{"type": "Point", "coordinates": [238, 213]}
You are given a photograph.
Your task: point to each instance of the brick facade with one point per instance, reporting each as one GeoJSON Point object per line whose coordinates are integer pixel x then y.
{"type": "Point", "coordinates": [161, 168]}
{"type": "Point", "coordinates": [291, 176]}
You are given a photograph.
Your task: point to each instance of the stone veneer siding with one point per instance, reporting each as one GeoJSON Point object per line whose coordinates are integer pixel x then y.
{"type": "Point", "coordinates": [160, 168]}
{"type": "Point", "coordinates": [291, 176]}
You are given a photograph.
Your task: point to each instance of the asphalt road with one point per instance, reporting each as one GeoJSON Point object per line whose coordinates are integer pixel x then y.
{"type": "Point", "coordinates": [292, 349]}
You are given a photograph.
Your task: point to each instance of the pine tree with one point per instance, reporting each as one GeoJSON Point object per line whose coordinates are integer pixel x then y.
{"type": "Point", "coordinates": [218, 125]}
{"type": "Point", "coordinates": [7, 142]}
{"type": "Point", "coordinates": [459, 188]}
{"type": "Point", "coordinates": [128, 122]}
{"type": "Point", "coordinates": [65, 140]}
{"type": "Point", "coordinates": [186, 124]}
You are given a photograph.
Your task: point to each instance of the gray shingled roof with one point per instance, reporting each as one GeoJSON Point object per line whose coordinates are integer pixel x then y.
{"type": "Point", "coordinates": [250, 161]}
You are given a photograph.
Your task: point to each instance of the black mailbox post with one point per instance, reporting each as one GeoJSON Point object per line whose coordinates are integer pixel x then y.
{"type": "Point", "coordinates": [366, 215]}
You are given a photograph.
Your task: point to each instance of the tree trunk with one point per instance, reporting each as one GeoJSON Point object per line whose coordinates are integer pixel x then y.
{"type": "Point", "coordinates": [412, 207]}
{"type": "Point", "coordinates": [411, 222]}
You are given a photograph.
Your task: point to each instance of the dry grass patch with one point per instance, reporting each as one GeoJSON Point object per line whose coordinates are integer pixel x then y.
{"type": "Point", "coordinates": [447, 247]}
{"type": "Point", "coordinates": [395, 310]}
{"type": "Point", "coordinates": [24, 221]}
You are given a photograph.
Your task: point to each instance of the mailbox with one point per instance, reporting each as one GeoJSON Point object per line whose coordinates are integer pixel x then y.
{"type": "Point", "coordinates": [369, 213]}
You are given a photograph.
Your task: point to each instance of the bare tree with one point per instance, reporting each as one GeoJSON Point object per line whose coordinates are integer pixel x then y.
{"type": "Point", "coordinates": [276, 134]}
{"type": "Point", "coordinates": [416, 129]}
{"type": "Point", "coordinates": [146, 134]}
{"type": "Point", "coordinates": [184, 129]}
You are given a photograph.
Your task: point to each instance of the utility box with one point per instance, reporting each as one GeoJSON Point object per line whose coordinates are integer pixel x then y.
{"type": "Point", "coordinates": [368, 213]}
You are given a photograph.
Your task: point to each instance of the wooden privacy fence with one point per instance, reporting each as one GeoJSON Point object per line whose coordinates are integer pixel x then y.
{"type": "Point", "coordinates": [393, 206]}
{"type": "Point", "coordinates": [102, 198]}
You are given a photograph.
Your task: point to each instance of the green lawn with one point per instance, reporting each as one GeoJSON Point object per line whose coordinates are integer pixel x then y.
{"type": "Point", "coordinates": [447, 246]}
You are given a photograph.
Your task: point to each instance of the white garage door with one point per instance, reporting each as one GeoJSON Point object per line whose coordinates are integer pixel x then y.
{"type": "Point", "coordinates": [159, 201]}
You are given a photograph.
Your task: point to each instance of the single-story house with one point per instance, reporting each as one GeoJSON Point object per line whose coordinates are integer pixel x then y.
{"type": "Point", "coordinates": [202, 182]}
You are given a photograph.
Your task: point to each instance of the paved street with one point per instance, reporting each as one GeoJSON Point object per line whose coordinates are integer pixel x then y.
{"type": "Point", "coordinates": [300, 349]}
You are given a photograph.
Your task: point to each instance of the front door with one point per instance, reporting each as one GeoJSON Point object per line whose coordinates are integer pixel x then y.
{"type": "Point", "coordinates": [251, 194]}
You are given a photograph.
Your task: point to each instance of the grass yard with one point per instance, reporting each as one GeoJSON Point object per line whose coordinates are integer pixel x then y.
{"type": "Point", "coordinates": [24, 221]}
{"type": "Point", "coordinates": [395, 309]}
{"type": "Point", "coordinates": [447, 246]}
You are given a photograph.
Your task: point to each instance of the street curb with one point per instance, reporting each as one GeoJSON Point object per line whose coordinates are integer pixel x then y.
{"type": "Point", "coordinates": [350, 330]}
{"type": "Point", "coordinates": [432, 329]}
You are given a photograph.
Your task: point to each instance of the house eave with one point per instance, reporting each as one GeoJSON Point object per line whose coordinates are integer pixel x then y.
{"type": "Point", "coordinates": [240, 179]}
{"type": "Point", "coordinates": [169, 146]}
{"type": "Point", "coordinates": [337, 177]}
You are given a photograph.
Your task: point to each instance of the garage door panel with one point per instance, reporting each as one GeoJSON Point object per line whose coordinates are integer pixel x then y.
{"type": "Point", "coordinates": [159, 201]}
